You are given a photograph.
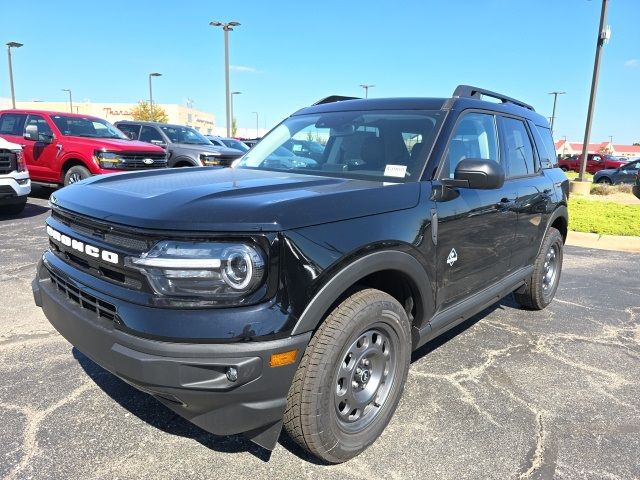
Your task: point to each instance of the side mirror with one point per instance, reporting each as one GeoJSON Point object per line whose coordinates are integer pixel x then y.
{"type": "Point", "coordinates": [31, 133]}
{"type": "Point", "coordinates": [480, 173]}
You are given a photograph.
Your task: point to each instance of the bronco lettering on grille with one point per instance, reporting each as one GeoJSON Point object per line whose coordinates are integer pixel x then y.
{"type": "Point", "coordinates": [82, 247]}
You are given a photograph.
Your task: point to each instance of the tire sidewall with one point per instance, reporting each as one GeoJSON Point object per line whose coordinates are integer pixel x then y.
{"type": "Point", "coordinates": [79, 169]}
{"type": "Point", "coordinates": [347, 445]}
{"type": "Point", "coordinates": [553, 239]}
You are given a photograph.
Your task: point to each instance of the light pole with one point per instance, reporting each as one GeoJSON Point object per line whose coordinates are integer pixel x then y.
{"type": "Point", "coordinates": [231, 105]}
{"type": "Point", "coordinates": [227, 27]}
{"type": "Point", "coordinates": [11, 45]}
{"type": "Point", "coordinates": [257, 128]}
{"type": "Point", "coordinates": [68, 90]}
{"type": "Point", "coordinates": [604, 33]}
{"type": "Point", "coordinates": [555, 99]}
{"type": "Point", "coordinates": [154, 74]}
{"type": "Point", "coordinates": [366, 89]}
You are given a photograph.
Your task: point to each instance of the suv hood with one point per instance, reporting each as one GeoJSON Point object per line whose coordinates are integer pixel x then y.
{"type": "Point", "coordinates": [230, 200]}
{"type": "Point", "coordinates": [116, 145]}
{"type": "Point", "coordinates": [224, 151]}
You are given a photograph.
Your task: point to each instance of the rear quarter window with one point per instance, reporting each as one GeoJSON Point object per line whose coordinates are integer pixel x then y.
{"type": "Point", "coordinates": [546, 149]}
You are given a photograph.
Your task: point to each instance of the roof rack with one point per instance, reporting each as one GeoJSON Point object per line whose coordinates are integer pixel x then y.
{"type": "Point", "coordinates": [334, 98]}
{"type": "Point", "coordinates": [476, 92]}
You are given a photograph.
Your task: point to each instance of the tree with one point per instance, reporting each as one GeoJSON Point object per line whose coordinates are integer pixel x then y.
{"type": "Point", "coordinates": [234, 127]}
{"type": "Point", "coordinates": [143, 112]}
{"type": "Point", "coordinates": [637, 144]}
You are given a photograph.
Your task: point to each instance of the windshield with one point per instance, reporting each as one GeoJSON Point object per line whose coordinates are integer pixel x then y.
{"type": "Point", "coordinates": [370, 144]}
{"type": "Point", "coordinates": [237, 144]}
{"type": "Point", "coordinates": [187, 135]}
{"type": "Point", "coordinates": [86, 127]}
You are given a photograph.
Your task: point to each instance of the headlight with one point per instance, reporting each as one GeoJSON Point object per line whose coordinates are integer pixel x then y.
{"type": "Point", "coordinates": [107, 159]}
{"type": "Point", "coordinates": [201, 270]}
{"type": "Point", "coordinates": [210, 158]}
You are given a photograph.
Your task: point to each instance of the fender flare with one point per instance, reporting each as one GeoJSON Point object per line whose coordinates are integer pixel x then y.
{"type": "Point", "coordinates": [182, 158]}
{"type": "Point", "coordinates": [560, 211]}
{"type": "Point", "coordinates": [402, 262]}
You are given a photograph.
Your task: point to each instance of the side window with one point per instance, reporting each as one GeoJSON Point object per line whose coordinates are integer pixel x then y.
{"type": "Point", "coordinates": [44, 130]}
{"type": "Point", "coordinates": [546, 149]}
{"type": "Point", "coordinates": [474, 137]}
{"type": "Point", "coordinates": [12, 123]}
{"type": "Point", "coordinates": [131, 131]}
{"type": "Point", "coordinates": [150, 134]}
{"type": "Point", "coordinates": [517, 147]}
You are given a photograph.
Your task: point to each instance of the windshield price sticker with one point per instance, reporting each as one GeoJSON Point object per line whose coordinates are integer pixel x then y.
{"type": "Point", "coordinates": [395, 171]}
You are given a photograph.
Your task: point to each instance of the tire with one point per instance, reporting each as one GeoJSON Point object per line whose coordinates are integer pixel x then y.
{"type": "Point", "coordinates": [75, 174]}
{"type": "Point", "coordinates": [341, 400]}
{"type": "Point", "coordinates": [605, 181]}
{"type": "Point", "coordinates": [14, 209]}
{"type": "Point", "coordinates": [542, 285]}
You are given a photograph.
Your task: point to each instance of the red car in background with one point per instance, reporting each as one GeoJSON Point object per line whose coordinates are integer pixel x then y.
{"type": "Point", "coordinates": [595, 162]}
{"type": "Point", "coordinates": [64, 148]}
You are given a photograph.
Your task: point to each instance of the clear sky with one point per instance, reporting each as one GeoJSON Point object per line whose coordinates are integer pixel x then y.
{"type": "Point", "coordinates": [288, 54]}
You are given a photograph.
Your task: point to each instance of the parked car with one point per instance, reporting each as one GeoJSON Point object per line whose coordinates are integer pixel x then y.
{"type": "Point", "coordinates": [284, 158]}
{"type": "Point", "coordinates": [227, 142]}
{"type": "Point", "coordinates": [595, 162]}
{"type": "Point", "coordinates": [64, 148]}
{"type": "Point", "coordinates": [271, 294]}
{"type": "Point", "coordinates": [186, 147]}
{"type": "Point", "coordinates": [306, 148]}
{"type": "Point", "coordinates": [14, 179]}
{"type": "Point", "coordinates": [251, 142]}
{"type": "Point", "coordinates": [627, 173]}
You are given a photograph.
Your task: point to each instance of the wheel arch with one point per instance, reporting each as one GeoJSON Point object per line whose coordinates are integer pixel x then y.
{"type": "Point", "coordinates": [397, 273]}
{"type": "Point", "coordinates": [72, 162]}
{"type": "Point", "coordinates": [559, 220]}
{"type": "Point", "coordinates": [183, 161]}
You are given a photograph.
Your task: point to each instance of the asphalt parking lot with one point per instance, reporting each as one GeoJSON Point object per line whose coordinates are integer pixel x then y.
{"type": "Point", "coordinates": [508, 394]}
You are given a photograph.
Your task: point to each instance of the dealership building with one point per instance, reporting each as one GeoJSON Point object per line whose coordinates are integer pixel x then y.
{"type": "Point", "coordinates": [566, 149]}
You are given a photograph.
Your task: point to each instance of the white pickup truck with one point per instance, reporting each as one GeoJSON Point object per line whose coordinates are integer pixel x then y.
{"type": "Point", "coordinates": [14, 179]}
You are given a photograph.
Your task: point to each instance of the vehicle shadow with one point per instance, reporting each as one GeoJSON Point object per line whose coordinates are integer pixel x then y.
{"type": "Point", "coordinates": [30, 210]}
{"type": "Point", "coordinates": [151, 411]}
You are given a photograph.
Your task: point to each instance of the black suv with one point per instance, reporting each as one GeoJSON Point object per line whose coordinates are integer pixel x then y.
{"type": "Point", "coordinates": [258, 296]}
{"type": "Point", "coordinates": [186, 146]}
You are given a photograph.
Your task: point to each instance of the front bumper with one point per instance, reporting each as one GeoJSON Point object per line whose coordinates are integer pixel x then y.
{"type": "Point", "coordinates": [189, 378]}
{"type": "Point", "coordinates": [19, 187]}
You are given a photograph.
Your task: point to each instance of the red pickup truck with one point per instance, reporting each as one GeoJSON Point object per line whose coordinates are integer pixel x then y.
{"type": "Point", "coordinates": [595, 162]}
{"type": "Point", "coordinates": [64, 148]}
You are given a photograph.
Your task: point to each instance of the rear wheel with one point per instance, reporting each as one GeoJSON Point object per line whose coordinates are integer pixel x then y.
{"type": "Point", "coordinates": [351, 377]}
{"type": "Point", "coordinates": [75, 174]}
{"type": "Point", "coordinates": [542, 285]}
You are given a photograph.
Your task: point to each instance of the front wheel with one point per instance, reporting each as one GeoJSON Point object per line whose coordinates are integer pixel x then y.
{"type": "Point", "coordinates": [604, 180]}
{"type": "Point", "coordinates": [75, 174]}
{"type": "Point", "coordinates": [542, 285]}
{"type": "Point", "coordinates": [351, 377]}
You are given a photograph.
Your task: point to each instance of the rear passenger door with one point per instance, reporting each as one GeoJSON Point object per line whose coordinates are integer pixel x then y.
{"type": "Point", "coordinates": [476, 227]}
{"type": "Point", "coordinates": [533, 189]}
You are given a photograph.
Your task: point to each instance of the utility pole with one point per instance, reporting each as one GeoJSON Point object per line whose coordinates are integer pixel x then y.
{"type": "Point", "coordinates": [155, 74]}
{"type": "Point", "coordinates": [68, 90]}
{"type": "Point", "coordinates": [257, 129]}
{"type": "Point", "coordinates": [232, 94]}
{"type": "Point", "coordinates": [604, 33]}
{"type": "Point", "coordinates": [555, 99]}
{"type": "Point", "coordinates": [366, 89]}
{"type": "Point", "coordinates": [11, 45]}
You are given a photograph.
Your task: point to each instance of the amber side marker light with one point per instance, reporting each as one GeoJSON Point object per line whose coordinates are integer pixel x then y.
{"type": "Point", "coordinates": [283, 358]}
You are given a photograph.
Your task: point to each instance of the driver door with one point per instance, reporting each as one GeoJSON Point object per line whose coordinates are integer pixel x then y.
{"type": "Point", "coordinates": [41, 155]}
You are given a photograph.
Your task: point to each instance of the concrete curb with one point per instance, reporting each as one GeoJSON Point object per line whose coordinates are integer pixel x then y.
{"type": "Point", "coordinates": [604, 242]}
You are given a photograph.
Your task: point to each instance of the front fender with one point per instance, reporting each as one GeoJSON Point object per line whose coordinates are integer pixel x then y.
{"type": "Point", "coordinates": [402, 262]}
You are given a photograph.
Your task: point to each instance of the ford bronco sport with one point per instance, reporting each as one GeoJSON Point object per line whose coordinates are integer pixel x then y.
{"type": "Point", "coordinates": [258, 296]}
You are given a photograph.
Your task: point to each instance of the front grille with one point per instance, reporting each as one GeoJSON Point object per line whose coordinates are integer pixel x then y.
{"type": "Point", "coordinates": [8, 162]}
{"type": "Point", "coordinates": [92, 228]}
{"type": "Point", "coordinates": [88, 302]}
{"type": "Point", "coordinates": [140, 161]}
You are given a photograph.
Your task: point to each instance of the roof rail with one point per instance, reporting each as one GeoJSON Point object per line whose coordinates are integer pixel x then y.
{"type": "Point", "coordinates": [334, 98]}
{"type": "Point", "coordinates": [476, 92]}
